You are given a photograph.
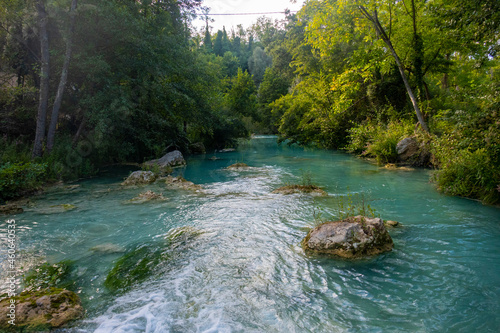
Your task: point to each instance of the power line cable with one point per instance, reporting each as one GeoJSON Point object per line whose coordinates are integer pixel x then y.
{"type": "Point", "coordinates": [235, 14]}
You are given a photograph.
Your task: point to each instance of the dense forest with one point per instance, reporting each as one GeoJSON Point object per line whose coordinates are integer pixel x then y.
{"type": "Point", "coordinates": [90, 83]}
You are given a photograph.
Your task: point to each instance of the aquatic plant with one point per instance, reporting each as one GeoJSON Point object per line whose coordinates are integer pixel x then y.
{"type": "Point", "coordinates": [141, 263]}
{"type": "Point", "coordinates": [354, 204]}
{"type": "Point", "coordinates": [48, 275]}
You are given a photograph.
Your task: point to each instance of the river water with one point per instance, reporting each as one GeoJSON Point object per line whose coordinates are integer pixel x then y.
{"type": "Point", "coordinates": [246, 271]}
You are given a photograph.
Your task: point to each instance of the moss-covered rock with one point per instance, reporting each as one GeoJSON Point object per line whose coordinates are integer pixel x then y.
{"type": "Point", "coordinates": [134, 267]}
{"type": "Point", "coordinates": [354, 237]}
{"type": "Point", "coordinates": [140, 178]}
{"type": "Point", "coordinates": [148, 196]}
{"type": "Point", "coordinates": [40, 311]}
{"type": "Point", "coordinates": [48, 275]}
{"type": "Point", "coordinates": [144, 261]}
{"type": "Point", "coordinates": [309, 189]}
{"type": "Point", "coordinates": [181, 183]}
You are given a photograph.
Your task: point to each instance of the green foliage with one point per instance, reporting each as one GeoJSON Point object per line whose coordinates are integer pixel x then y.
{"type": "Point", "coordinates": [377, 140]}
{"type": "Point", "coordinates": [241, 97]}
{"type": "Point", "coordinates": [383, 141]}
{"type": "Point", "coordinates": [352, 205]}
{"type": "Point", "coordinates": [47, 275]}
{"type": "Point", "coordinates": [471, 174]}
{"type": "Point", "coordinates": [19, 178]}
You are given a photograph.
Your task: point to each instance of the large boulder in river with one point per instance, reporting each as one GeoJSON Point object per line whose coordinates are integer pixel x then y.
{"type": "Point", "coordinates": [170, 160]}
{"type": "Point", "coordinates": [412, 152]}
{"type": "Point", "coordinates": [40, 311]}
{"type": "Point", "coordinates": [140, 178]}
{"type": "Point", "coordinates": [354, 237]}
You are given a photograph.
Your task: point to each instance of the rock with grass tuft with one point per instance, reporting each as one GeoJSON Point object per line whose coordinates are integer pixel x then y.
{"type": "Point", "coordinates": [353, 237]}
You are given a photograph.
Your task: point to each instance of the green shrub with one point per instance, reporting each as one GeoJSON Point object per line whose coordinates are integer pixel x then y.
{"type": "Point", "coordinates": [378, 141]}
{"type": "Point", "coordinates": [471, 174]}
{"type": "Point", "coordinates": [360, 137]}
{"type": "Point", "coordinates": [19, 178]}
{"type": "Point", "coordinates": [385, 140]}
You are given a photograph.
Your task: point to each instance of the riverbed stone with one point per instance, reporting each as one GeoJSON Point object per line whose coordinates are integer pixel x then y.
{"type": "Point", "coordinates": [41, 311]}
{"type": "Point", "coordinates": [10, 209]}
{"type": "Point", "coordinates": [148, 196]}
{"type": "Point", "coordinates": [170, 160]}
{"type": "Point", "coordinates": [140, 178]}
{"type": "Point", "coordinates": [237, 166]}
{"type": "Point", "coordinates": [181, 183]}
{"type": "Point", "coordinates": [391, 224]}
{"type": "Point", "coordinates": [354, 237]}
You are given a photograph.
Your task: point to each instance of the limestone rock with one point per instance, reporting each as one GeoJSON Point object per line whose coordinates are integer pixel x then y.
{"type": "Point", "coordinates": [412, 152]}
{"type": "Point", "coordinates": [41, 310]}
{"type": "Point", "coordinates": [181, 183]}
{"type": "Point", "coordinates": [10, 209]}
{"type": "Point", "coordinates": [170, 160]}
{"type": "Point", "coordinates": [391, 224]}
{"type": "Point", "coordinates": [147, 196]}
{"type": "Point", "coordinates": [354, 237]}
{"type": "Point", "coordinates": [407, 148]}
{"type": "Point", "coordinates": [140, 178]}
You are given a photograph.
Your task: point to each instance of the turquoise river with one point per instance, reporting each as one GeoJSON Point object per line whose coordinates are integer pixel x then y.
{"type": "Point", "coordinates": [245, 271]}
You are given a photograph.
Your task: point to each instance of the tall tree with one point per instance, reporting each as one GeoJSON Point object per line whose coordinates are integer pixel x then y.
{"type": "Point", "coordinates": [373, 18]}
{"type": "Point", "coordinates": [44, 79]}
{"type": "Point", "coordinates": [64, 76]}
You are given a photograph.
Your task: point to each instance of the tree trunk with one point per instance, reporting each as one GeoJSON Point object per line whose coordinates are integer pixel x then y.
{"type": "Point", "coordinates": [387, 41]}
{"type": "Point", "coordinates": [44, 80]}
{"type": "Point", "coordinates": [62, 82]}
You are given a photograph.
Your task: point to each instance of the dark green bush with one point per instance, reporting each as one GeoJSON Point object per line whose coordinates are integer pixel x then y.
{"type": "Point", "coordinates": [379, 141]}
{"type": "Point", "coordinates": [471, 174]}
{"type": "Point", "coordinates": [19, 178]}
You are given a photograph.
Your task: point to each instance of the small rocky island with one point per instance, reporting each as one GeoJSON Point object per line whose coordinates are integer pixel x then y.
{"type": "Point", "coordinates": [40, 311]}
{"type": "Point", "coordinates": [352, 238]}
{"type": "Point", "coordinates": [308, 189]}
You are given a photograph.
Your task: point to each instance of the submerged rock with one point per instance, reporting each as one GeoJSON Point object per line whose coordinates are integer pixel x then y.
{"type": "Point", "coordinates": [391, 224]}
{"type": "Point", "coordinates": [10, 209]}
{"type": "Point", "coordinates": [238, 166]}
{"type": "Point", "coordinates": [181, 183]}
{"type": "Point", "coordinates": [170, 160]}
{"type": "Point", "coordinates": [291, 189]}
{"type": "Point", "coordinates": [108, 248]}
{"type": "Point", "coordinates": [148, 196]}
{"type": "Point", "coordinates": [354, 237]}
{"type": "Point", "coordinates": [57, 209]}
{"type": "Point", "coordinates": [145, 260]}
{"type": "Point", "coordinates": [140, 178]}
{"type": "Point", "coordinates": [41, 310]}
{"type": "Point", "coordinates": [134, 267]}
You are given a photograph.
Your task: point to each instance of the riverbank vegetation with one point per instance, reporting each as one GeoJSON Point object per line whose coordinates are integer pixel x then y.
{"type": "Point", "coordinates": [88, 83]}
